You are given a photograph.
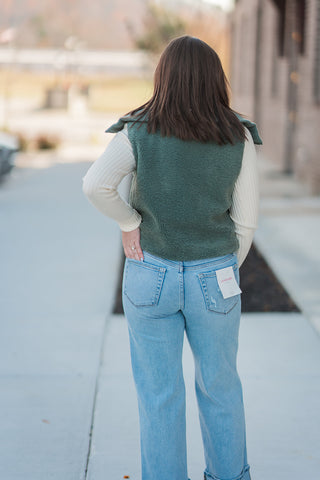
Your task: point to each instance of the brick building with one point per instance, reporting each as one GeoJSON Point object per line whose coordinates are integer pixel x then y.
{"type": "Point", "coordinates": [275, 80]}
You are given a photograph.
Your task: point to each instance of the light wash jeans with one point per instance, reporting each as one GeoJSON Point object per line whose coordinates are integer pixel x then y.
{"type": "Point", "coordinates": [162, 299]}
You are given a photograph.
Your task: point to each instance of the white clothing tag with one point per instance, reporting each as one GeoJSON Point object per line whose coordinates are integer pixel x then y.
{"type": "Point", "coordinates": [227, 282]}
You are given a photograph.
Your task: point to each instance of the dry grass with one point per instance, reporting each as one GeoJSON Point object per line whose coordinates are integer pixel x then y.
{"type": "Point", "coordinates": [106, 93]}
{"type": "Point", "coordinates": [119, 95]}
{"type": "Point", "coordinates": [25, 85]}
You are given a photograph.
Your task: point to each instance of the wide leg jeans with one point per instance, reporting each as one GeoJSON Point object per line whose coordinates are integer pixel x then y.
{"type": "Point", "coordinates": [162, 300]}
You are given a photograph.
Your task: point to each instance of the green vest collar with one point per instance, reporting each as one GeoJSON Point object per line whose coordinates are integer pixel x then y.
{"type": "Point", "coordinates": [252, 127]}
{"type": "Point", "coordinates": [119, 125]}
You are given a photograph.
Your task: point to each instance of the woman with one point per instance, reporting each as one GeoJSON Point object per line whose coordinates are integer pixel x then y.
{"type": "Point", "coordinates": [186, 230]}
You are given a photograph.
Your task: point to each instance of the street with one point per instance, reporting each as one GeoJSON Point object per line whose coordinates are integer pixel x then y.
{"type": "Point", "coordinates": [97, 61]}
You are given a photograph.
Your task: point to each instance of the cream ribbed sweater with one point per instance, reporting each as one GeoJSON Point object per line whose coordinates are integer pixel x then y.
{"type": "Point", "coordinates": [100, 185]}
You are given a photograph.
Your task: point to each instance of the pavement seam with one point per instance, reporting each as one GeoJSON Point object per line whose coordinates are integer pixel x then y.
{"type": "Point", "coordinates": [100, 363]}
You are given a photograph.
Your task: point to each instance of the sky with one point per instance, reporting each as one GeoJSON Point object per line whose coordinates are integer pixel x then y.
{"type": "Point", "coordinates": [225, 4]}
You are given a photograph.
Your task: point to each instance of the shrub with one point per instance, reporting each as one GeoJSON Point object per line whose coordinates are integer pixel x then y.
{"type": "Point", "coordinates": [45, 141]}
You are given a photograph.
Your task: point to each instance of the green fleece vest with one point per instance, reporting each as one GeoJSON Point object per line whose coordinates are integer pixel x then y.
{"type": "Point", "coordinates": [183, 192]}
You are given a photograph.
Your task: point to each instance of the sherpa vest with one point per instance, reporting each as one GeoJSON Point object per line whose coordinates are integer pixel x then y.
{"type": "Point", "coordinates": [183, 192]}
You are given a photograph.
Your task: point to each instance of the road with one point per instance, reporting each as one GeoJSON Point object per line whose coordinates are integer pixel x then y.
{"type": "Point", "coordinates": [100, 60]}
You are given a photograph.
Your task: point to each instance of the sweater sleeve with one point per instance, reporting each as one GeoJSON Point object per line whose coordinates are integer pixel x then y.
{"type": "Point", "coordinates": [245, 199]}
{"type": "Point", "coordinates": [100, 184]}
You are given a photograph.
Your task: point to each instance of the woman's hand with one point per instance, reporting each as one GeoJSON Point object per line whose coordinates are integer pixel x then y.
{"type": "Point", "coordinates": [131, 244]}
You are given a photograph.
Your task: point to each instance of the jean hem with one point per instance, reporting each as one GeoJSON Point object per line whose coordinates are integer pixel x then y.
{"type": "Point", "coordinates": [244, 475]}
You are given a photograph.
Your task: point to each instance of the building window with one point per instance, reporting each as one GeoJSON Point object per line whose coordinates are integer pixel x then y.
{"type": "Point", "coordinates": [281, 6]}
{"type": "Point", "coordinates": [286, 24]}
{"type": "Point", "coordinates": [300, 23]}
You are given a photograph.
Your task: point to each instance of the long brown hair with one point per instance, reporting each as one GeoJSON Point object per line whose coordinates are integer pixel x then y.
{"type": "Point", "coordinates": [190, 98]}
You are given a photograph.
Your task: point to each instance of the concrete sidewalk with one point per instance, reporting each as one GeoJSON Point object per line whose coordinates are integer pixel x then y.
{"type": "Point", "coordinates": [279, 359]}
{"type": "Point", "coordinates": [289, 237]}
{"type": "Point", "coordinates": [59, 261]}
{"type": "Point", "coordinates": [68, 407]}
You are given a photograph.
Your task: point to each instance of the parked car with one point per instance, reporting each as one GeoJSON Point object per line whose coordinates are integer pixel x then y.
{"type": "Point", "coordinates": [9, 146]}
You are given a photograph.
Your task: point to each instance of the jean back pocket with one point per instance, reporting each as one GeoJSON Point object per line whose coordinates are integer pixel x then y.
{"type": "Point", "coordinates": [142, 282]}
{"type": "Point", "coordinates": [212, 294]}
